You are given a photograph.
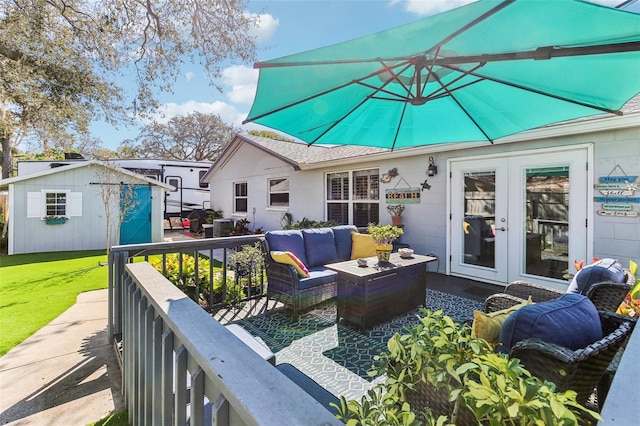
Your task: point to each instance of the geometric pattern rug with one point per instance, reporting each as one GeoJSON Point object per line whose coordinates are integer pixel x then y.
{"type": "Point", "coordinates": [336, 355]}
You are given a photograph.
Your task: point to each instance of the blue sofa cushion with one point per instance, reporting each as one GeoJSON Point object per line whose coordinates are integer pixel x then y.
{"type": "Point", "coordinates": [290, 240]}
{"type": "Point", "coordinates": [571, 321]}
{"type": "Point", "coordinates": [320, 246]}
{"type": "Point", "coordinates": [342, 235]}
{"type": "Point", "coordinates": [318, 276]}
{"type": "Point", "coordinates": [600, 271]}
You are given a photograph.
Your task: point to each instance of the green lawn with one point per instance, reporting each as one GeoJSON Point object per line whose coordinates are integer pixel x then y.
{"type": "Point", "coordinates": [119, 418]}
{"type": "Point", "coordinates": [36, 288]}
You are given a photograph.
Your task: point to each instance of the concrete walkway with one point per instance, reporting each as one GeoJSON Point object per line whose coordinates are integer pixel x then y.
{"type": "Point", "coordinates": [64, 374]}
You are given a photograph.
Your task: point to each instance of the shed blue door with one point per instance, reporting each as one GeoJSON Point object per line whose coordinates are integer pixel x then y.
{"type": "Point", "coordinates": [136, 226]}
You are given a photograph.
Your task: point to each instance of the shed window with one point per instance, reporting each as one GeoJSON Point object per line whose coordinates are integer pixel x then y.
{"type": "Point", "coordinates": [56, 203]}
{"type": "Point", "coordinates": [279, 192]}
{"type": "Point", "coordinates": [240, 198]}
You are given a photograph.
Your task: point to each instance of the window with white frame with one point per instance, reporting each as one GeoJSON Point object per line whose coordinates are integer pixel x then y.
{"type": "Point", "coordinates": [240, 197]}
{"type": "Point", "coordinates": [56, 203]}
{"type": "Point", "coordinates": [353, 197]}
{"type": "Point", "coordinates": [279, 192]}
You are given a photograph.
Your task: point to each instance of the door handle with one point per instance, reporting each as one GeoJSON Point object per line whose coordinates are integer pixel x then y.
{"type": "Point", "coordinates": [501, 229]}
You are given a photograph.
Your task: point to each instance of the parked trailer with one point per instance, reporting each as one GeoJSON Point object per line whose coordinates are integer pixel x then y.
{"type": "Point", "coordinates": [190, 194]}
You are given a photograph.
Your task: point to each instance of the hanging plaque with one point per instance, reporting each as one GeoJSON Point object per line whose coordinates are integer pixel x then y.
{"type": "Point", "coordinates": [402, 196]}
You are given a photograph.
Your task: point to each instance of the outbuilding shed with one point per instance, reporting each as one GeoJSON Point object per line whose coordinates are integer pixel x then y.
{"type": "Point", "coordinates": [82, 206]}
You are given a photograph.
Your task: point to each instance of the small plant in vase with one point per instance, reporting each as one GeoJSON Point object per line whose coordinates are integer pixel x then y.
{"type": "Point", "coordinates": [383, 237]}
{"type": "Point", "coordinates": [395, 210]}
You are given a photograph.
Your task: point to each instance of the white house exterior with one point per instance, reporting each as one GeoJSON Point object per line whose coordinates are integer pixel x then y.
{"type": "Point", "coordinates": [74, 192]}
{"type": "Point", "coordinates": [589, 160]}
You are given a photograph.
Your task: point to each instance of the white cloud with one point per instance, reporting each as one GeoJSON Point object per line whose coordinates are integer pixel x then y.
{"type": "Point", "coordinates": [242, 82]}
{"type": "Point", "coordinates": [228, 113]}
{"type": "Point", "coordinates": [266, 25]}
{"type": "Point", "coordinates": [189, 75]}
{"type": "Point", "coordinates": [430, 7]}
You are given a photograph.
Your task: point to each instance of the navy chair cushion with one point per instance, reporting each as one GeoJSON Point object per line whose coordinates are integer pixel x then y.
{"type": "Point", "coordinates": [290, 240]}
{"type": "Point", "coordinates": [600, 271]}
{"type": "Point", "coordinates": [320, 246]}
{"type": "Point", "coordinates": [342, 235]}
{"type": "Point", "coordinates": [571, 321]}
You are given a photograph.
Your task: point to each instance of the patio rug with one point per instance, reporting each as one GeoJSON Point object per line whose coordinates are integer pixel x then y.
{"type": "Point", "coordinates": [338, 356]}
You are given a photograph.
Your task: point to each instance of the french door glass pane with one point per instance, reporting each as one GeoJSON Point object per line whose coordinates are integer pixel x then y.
{"type": "Point", "coordinates": [547, 221]}
{"type": "Point", "coordinates": [479, 218]}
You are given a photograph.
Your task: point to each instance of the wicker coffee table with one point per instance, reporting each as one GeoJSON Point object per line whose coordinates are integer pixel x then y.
{"type": "Point", "coordinates": [370, 295]}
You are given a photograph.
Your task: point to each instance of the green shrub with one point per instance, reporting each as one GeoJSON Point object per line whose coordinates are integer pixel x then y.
{"type": "Point", "coordinates": [185, 279]}
{"type": "Point", "coordinates": [440, 356]}
{"type": "Point", "coordinates": [308, 224]}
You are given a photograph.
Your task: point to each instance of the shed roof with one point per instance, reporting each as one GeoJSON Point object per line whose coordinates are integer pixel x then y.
{"type": "Point", "coordinates": [4, 183]}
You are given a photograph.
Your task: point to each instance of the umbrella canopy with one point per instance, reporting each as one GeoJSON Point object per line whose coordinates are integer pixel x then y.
{"type": "Point", "coordinates": [479, 72]}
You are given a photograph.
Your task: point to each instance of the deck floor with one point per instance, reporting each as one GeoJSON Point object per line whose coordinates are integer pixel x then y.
{"type": "Point", "coordinates": [337, 355]}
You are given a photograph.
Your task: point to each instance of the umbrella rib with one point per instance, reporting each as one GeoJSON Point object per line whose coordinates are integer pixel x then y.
{"type": "Point", "coordinates": [355, 81]}
{"type": "Point", "coordinates": [337, 122]}
{"type": "Point", "coordinates": [473, 23]}
{"type": "Point", "coordinates": [298, 102]}
{"type": "Point", "coordinates": [395, 138]}
{"type": "Point", "coordinates": [437, 93]}
{"type": "Point", "coordinates": [543, 93]}
{"type": "Point", "coordinates": [475, 123]}
{"type": "Point", "coordinates": [405, 66]}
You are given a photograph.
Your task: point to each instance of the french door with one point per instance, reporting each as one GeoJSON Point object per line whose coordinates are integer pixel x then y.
{"type": "Point", "coordinates": [519, 216]}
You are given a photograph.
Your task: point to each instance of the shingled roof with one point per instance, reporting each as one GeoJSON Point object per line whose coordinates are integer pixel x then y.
{"type": "Point", "coordinates": [301, 153]}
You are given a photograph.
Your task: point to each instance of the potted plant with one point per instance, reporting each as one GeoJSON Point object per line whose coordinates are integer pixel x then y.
{"type": "Point", "coordinates": [55, 220]}
{"type": "Point", "coordinates": [395, 210]}
{"type": "Point", "coordinates": [249, 267]}
{"type": "Point", "coordinates": [383, 236]}
{"type": "Point", "coordinates": [436, 373]}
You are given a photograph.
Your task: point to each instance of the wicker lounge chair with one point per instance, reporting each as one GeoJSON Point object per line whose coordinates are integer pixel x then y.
{"type": "Point", "coordinates": [579, 370]}
{"type": "Point", "coordinates": [606, 296]}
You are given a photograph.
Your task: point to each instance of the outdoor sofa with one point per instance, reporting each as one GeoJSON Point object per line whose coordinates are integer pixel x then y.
{"type": "Point", "coordinates": [306, 252]}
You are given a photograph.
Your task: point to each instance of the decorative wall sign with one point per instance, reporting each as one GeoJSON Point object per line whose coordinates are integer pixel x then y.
{"type": "Point", "coordinates": [617, 194]}
{"type": "Point", "coordinates": [612, 213]}
{"type": "Point", "coordinates": [616, 188]}
{"type": "Point", "coordinates": [403, 196]}
{"type": "Point", "coordinates": [408, 195]}
{"type": "Point", "coordinates": [616, 199]}
{"type": "Point", "coordinates": [618, 207]}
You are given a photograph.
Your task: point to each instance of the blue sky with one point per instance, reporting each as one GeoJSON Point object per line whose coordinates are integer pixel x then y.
{"type": "Point", "coordinates": [286, 27]}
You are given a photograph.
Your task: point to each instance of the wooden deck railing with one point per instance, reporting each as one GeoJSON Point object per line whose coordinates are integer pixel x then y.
{"type": "Point", "coordinates": [211, 248]}
{"type": "Point", "coordinates": [181, 366]}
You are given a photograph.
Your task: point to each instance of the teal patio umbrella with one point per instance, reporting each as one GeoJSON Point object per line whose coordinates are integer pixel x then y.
{"type": "Point", "coordinates": [479, 72]}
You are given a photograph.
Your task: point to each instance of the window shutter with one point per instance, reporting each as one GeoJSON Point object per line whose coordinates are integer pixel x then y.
{"type": "Point", "coordinates": [74, 204]}
{"type": "Point", "coordinates": [35, 204]}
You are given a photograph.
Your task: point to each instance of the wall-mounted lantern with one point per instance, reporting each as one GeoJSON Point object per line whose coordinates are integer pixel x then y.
{"type": "Point", "coordinates": [432, 170]}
